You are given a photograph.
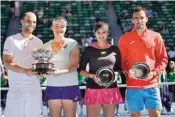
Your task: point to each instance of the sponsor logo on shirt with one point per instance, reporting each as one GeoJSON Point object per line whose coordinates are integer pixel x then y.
{"type": "Point", "coordinates": [132, 42]}
{"type": "Point", "coordinates": [65, 46]}
{"type": "Point", "coordinates": [104, 52]}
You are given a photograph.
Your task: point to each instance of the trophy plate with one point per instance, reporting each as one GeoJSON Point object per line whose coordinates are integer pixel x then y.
{"type": "Point", "coordinates": [105, 76]}
{"type": "Point", "coordinates": [140, 70]}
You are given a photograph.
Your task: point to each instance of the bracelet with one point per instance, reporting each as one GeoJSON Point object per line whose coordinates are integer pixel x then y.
{"type": "Point", "coordinates": [63, 71]}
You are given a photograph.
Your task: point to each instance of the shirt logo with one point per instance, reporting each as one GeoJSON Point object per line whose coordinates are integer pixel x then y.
{"type": "Point", "coordinates": [103, 52]}
{"type": "Point", "coordinates": [64, 46]}
{"type": "Point", "coordinates": [132, 42]}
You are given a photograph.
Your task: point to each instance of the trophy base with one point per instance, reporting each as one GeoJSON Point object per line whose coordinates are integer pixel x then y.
{"type": "Point", "coordinates": [43, 68]}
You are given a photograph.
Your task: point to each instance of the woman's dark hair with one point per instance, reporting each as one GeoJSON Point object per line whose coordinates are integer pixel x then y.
{"type": "Point", "coordinates": [101, 25]}
{"type": "Point", "coordinates": [168, 69]}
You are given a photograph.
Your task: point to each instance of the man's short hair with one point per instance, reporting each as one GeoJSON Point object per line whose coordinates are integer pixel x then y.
{"type": "Point", "coordinates": [138, 9]}
{"type": "Point", "coordinates": [24, 14]}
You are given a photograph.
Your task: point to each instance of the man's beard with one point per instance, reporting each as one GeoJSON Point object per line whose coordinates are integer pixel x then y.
{"type": "Point", "coordinates": [140, 27]}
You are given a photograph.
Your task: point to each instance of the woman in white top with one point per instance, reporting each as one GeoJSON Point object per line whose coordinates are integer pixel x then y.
{"type": "Point", "coordinates": [62, 90]}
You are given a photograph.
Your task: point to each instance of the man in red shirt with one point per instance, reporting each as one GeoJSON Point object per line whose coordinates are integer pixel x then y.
{"type": "Point", "coordinates": [143, 45]}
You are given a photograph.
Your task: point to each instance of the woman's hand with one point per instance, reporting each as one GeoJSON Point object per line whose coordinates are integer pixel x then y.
{"type": "Point", "coordinates": [46, 75]}
{"type": "Point", "coordinates": [92, 76]}
{"type": "Point", "coordinates": [55, 72]}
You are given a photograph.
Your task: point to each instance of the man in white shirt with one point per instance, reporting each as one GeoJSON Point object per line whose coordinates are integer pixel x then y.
{"type": "Point", "coordinates": [24, 98]}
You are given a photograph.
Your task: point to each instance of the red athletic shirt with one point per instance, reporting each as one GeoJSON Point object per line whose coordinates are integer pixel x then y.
{"type": "Point", "coordinates": [148, 48]}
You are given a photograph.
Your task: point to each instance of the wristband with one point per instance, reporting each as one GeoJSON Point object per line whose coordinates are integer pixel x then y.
{"type": "Point", "coordinates": [65, 71]}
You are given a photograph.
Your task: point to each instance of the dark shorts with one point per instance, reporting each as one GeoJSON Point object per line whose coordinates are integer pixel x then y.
{"type": "Point", "coordinates": [67, 92]}
{"type": "Point", "coordinates": [82, 93]}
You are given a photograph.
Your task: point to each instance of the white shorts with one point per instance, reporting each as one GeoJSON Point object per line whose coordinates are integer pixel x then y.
{"type": "Point", "coordinates": [23, 108]}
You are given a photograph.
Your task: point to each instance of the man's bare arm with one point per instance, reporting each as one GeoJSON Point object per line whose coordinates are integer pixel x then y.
{"type": "Point", "coordinates": [7, 59]}
{"type": "Point", "coordinates": [8, 63]}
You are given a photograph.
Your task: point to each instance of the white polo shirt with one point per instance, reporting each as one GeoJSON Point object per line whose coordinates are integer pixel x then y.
{"type": "Point", "coordinates": [21, 85]}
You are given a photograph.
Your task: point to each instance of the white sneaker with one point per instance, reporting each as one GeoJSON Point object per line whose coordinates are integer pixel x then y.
{"type": "Point", "coordinates": [117, 114]}
{"type": "Point", "coordinates": [172, 109]}
{"type": "Point", "coordinates": [77, 115]}
{"type": "Point", "coordinates": [2, 112]}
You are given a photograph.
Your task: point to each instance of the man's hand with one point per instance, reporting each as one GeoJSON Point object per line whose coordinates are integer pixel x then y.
{"type": "Point", "coordinates": [130, 74]}
{"type": "Point", "coordinates": [30, 72]}
{"type": "Point", "coordinates": [150, 75]}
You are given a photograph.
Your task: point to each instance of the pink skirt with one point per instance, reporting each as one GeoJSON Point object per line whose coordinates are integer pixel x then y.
{"type": "Point", "coordinates": [102, 96]}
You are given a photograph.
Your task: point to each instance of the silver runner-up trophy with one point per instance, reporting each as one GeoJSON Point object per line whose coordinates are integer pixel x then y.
{"type": "Point", "coordinates": [105, 76]}
{"type": "Point", "coordinates": [42, 57]}
{"type": "Point", "coordinates": [140, 70]}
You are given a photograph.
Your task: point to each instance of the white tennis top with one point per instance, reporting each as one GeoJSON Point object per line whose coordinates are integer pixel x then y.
{"type": "Point", "coordinates": [61, 61]}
